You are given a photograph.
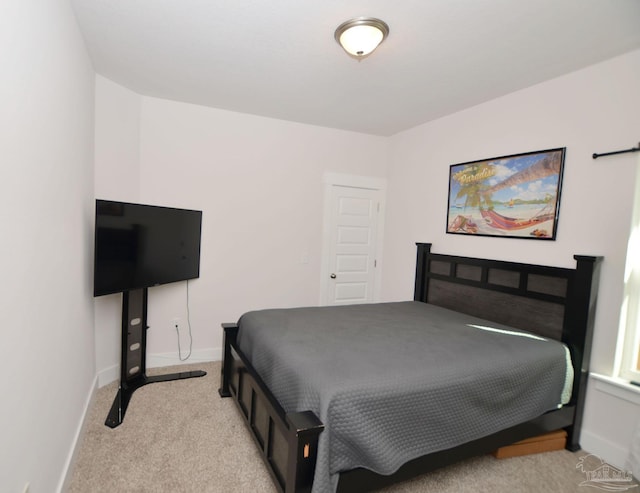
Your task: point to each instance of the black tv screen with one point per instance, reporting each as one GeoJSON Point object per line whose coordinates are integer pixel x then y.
{"type": "Point", "coordinates": [139, 246]}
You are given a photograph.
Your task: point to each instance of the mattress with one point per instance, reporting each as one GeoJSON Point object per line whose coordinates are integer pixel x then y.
{"type": "Point", "coordinates": [395, 381]}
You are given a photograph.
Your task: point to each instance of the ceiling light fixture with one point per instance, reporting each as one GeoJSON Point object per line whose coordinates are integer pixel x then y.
{"type": "Point", "coordinates": [360, 36]}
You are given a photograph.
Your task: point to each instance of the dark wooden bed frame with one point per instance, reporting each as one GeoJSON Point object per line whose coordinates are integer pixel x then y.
{"type": "Point", "coordinates": [551, 301]}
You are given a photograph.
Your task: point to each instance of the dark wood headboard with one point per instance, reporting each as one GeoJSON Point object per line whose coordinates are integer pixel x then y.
{"type": "Point", "coordinates": [553, 302]}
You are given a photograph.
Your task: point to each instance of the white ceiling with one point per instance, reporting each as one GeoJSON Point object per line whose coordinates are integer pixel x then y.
{"type": "Point", "coordinates": [279, 58]}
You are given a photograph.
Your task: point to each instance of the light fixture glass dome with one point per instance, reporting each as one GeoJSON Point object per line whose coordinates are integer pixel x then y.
{"type": "Point", "coordinates": [359, 37]}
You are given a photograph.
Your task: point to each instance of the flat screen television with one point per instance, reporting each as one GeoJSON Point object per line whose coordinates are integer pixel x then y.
{"type": "Point", "coordinates": [139, 246]}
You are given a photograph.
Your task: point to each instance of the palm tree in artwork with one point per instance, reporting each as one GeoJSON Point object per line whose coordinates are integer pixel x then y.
{"type": "Point", "coordinates": [550, 164]}
{"type": "Point", "coordinates": [472, 187]}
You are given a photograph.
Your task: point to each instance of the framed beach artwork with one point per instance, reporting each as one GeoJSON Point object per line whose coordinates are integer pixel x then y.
{"type": "Point", "coordinates": [515, 196]}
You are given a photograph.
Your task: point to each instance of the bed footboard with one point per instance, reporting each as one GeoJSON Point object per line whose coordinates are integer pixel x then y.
{"type": "Point", "coordinates": [288, 442]}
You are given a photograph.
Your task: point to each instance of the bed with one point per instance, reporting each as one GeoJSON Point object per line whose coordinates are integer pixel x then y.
{"type": "Point", "coordinates": [328, 435]}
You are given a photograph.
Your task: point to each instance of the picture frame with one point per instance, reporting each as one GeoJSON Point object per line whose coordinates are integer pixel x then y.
{"type": "Point", "coordinates": [515, 196]}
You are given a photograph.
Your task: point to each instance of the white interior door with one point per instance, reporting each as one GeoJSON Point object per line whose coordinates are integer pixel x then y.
{"type": "Point", "coordinates": [352, 245]}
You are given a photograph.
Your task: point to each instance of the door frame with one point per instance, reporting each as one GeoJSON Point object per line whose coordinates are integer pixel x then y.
{"type": "Point", "coordinates": [331, 180]}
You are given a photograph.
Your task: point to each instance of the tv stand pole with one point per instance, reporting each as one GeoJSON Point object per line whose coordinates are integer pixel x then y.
{"type": "Point", "coordinates": [134, 354]}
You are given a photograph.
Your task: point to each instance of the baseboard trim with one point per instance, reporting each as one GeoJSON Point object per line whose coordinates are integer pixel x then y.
{"type": "Point", "coordinates": [108, 375]}
{"type": "Point", "coordinates": [608, 451]}
{"type": "Point", "coordinates": [67, 471]}
{"type": "Point", "coordinates": [158, 360]}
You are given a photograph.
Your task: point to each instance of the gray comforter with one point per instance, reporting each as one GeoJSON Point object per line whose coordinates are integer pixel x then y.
{"type": "Point", "coordinates": [394, 381]}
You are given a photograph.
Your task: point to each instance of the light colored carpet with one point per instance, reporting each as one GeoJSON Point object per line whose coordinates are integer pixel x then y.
{"type": "Point", "coordinates": [182, 437]}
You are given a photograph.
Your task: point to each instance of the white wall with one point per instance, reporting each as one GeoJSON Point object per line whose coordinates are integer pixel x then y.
{"type": "Point", "coordinates": [46, 133]}
{"type": "Point", "coordinates": [259, 183]}
{"type": "Point", "coordinates": [592, 110]}
{"type": "Point", "coordinates": [117, 177]}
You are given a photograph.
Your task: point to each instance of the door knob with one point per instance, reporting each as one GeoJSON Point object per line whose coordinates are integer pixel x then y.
{"type": "Point", "coordinates": [332, 276]}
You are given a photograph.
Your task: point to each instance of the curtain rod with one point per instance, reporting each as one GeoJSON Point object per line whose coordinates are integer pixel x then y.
{"type": "Point", "coordinates": [633, 149]}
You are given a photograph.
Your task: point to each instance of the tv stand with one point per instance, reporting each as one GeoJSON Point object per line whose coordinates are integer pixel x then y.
{"type": "Point", "coordinates": [133, 355]}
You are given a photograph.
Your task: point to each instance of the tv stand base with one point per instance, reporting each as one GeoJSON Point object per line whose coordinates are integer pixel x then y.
{"type": "Point", "coordinates": [133, 356]}
{"type": "Point", "coordinates": [120, 403]}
